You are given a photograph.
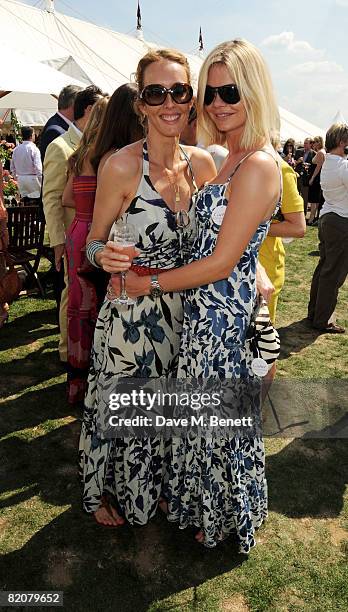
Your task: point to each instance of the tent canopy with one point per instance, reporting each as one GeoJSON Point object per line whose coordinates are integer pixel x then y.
{"type": "Point", "coordinates": [30, 88]}
{"type": "Point", "coordinates": [338, 118]}
{"type": "Point", "coordinates": [70, 67]}
{"type": "Point", "coordinates": [30, 109]}
{"type": "Point", "coordinates": [31, 76]}
{"type": "Point", "coordinates": [79, 50]}
{"type": "Point", "coordinates": [107, 58]}
{"type": "Point", "coordinates": [95, 54]}
{"type": "Point", "coordinates": [292, 126]}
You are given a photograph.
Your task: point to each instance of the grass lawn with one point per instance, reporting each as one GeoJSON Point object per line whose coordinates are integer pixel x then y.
{"type": "Point", "coordinates": [47, 543]}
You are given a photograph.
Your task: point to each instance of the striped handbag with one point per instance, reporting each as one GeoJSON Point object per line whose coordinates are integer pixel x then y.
{"type": "Point", "coordinates": [263, 337]}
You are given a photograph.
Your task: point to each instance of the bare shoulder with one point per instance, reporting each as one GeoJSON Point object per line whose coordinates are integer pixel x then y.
{"type": "Point", "coordinates": [202, 163]}
{"type": "Point", "coordinates": [103, 160]}
{"type": "Point", "coordinates": [263, 166]}
{"type": "Point", "coordinates": [198, 155]}
{"type": "Point", "coordinates": [125, 164]}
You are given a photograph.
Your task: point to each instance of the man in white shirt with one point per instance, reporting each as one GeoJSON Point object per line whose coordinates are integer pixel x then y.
{"type": "Point", "coordinates": [26, 165]}
{"type": "Point", "coordinates": [332, 269]}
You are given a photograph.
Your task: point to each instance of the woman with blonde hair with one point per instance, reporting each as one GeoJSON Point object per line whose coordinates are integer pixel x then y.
{"type": "Point", "coordinates": [217, 482]}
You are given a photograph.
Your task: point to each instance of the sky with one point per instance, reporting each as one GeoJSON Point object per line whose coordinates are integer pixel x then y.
{"type": "Point", "coordinates": [304, 43]}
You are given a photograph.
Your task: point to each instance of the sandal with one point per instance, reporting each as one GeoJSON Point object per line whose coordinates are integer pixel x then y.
{"type": "Point", "coordinates": [331, 328]}
{"type": "Point", "coordinates": [107, 506]}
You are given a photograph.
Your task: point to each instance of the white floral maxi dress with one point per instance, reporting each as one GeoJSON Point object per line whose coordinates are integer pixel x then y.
{"type": "Point", "coordinates": [140, 341]}
{"type": "Point", "coordinates": [218, 483]}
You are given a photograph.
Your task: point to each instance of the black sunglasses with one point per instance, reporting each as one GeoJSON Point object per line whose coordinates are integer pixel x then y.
{"type": "Point", "coordinates": [155, 95]}
{"type": "Point", "coordinates": [228, 93]}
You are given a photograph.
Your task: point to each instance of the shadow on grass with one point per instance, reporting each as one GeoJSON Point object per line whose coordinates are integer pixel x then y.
{"type": "Point", "coordinates": [17, 375]}
{"type": "Point", "coordinates": [295, 337]}
{"type": "Point", "coordinates": [33, 408]}
{"type": "Point", "coordinates": [26, 329]}
{"type": "Point", "coordinates": [123, 569]}
{"type": "Point", "coordinates": [308, 478]}
{"type": "Point", "coordinates": [97, 568]}
{"type": "Point", "coordinates": [129, 568]}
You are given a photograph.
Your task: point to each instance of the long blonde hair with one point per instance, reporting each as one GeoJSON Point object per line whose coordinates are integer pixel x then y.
{"type": "Point", "coordinates": [76, 160]}
{"type": "Point", "coordinates": [249, 72]}
{"type": "Point", "coordinates": [319, 140]}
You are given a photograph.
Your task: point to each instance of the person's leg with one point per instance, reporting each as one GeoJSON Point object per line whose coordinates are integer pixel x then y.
{"type": "Point", "coordinates": [320, 206]}
{"type": "Point", "coordinates": [314, 208]}
{"type": "Point", "coordinates": [58, 286]}
{"type": "Point", "coordinates": [334, 270]}
{"type": "Point", "coordinates": [304, 193]}
{"type": "Point", "coordinates": [63, 317]}
{"type": "Point", "coordinates": [316, 275]}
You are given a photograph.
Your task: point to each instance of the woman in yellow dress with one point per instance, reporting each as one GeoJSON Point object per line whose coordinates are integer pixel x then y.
{"type": "Point", "coordinates": [291, 225]}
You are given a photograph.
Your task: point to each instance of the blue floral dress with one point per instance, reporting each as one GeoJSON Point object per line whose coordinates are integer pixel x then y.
{"type": "Point", "coordinates": [218, 483]}
{"type": "Point", "coordinates": [141, 341]}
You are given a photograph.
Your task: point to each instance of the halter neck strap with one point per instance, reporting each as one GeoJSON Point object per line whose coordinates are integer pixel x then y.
{"type": "Point", "coordinates": [146, 163]}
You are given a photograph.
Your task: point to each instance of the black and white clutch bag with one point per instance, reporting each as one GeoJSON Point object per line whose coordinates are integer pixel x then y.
{"type": "Point", "coordinates": [263, 337]}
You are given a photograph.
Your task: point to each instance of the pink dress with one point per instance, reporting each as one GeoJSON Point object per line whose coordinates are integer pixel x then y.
{"type": "Point", "coordinates": [86, 290]}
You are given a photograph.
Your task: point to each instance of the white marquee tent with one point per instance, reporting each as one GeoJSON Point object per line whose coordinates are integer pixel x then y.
{"type": "Point", "coordinates": [30, 87]}
{"type": "Point", "coordinates": [339, 118]}
{"type": "Point", "coordinates": [79, 49]}
{"type": "Point", "coordinates": [92, 53]}
{"type": "Point", "coordinates": [293, 126]}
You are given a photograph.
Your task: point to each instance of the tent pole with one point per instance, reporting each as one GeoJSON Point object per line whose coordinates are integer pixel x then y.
{"type": "Point", "coordinates": [49, 6]}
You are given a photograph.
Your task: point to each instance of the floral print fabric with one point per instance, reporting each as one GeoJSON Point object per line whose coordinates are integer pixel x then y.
{"type": "Point", "coordinates": [218, 483]}
{"type": "Point", "coordinates": [139, 341]}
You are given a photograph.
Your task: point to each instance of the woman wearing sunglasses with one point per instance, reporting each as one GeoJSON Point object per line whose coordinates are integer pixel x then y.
{"type": "Point", "coordinates": [147, 185]}
{"type": "Point", "coordinates": [217, 483]}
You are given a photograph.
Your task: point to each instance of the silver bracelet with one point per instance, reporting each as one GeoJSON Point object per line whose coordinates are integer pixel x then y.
{"type": "Point", "coordinates": [92, 249]}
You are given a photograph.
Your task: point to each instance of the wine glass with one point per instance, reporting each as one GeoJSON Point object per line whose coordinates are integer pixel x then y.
{"type": "Point", "coordinates": [124, 235]}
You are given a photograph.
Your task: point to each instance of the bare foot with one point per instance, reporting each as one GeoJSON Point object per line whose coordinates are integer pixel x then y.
{"type": "Point", "coordinates": [163, 505]}
{"type": "Point", "coordinates": [200, 537]}
{"type": "Point", "coordinates": [106, 515]}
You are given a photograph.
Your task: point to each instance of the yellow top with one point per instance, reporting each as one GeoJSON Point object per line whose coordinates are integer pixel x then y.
{"type": "Point", "coordinates": [272, 253]}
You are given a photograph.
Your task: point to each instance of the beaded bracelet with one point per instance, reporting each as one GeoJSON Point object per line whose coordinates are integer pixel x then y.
{"type": "Point", "coordinates": [92, 249]}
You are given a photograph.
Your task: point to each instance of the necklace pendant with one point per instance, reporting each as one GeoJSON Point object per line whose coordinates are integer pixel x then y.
{"type": "Point", "coordinates": [177, 196]}
{"type": "Point", "coordinates": [182, 218]}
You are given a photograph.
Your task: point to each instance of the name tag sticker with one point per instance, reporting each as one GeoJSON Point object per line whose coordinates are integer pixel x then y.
{"type": "Point", "coordinates": [259, 366]}
{"type": "Point", "coordinates": [218, 215]}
